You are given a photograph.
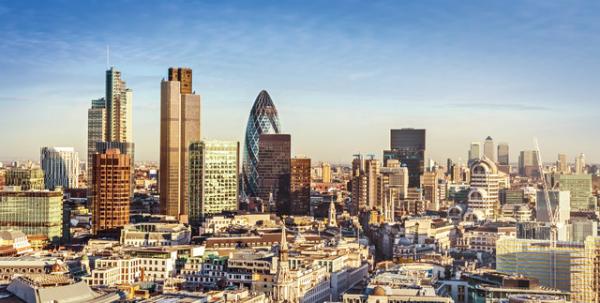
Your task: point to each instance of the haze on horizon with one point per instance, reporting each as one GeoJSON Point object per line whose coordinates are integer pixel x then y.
{"type": "Point", "coordinates": [341, 73]}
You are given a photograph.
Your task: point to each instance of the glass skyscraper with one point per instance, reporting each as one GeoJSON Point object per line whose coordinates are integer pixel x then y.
{"type": "Point", "coordinates": [263, 119]}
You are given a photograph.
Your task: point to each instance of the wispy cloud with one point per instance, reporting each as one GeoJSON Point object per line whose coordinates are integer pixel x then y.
{"type": "Point", "coordinates": [499, 106]}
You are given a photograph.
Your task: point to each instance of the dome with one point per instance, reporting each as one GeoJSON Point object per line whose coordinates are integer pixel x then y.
{"type": "Point", "coordinates": [484, 166]}
{"type": "Point", "coordinates": [378, 291]}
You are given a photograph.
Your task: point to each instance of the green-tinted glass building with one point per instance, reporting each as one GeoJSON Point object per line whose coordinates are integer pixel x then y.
{"type": "Point", "coordinates": [213, 178]}
{"type": "Point", "coordinates": [580, 186]}
{"type": "Point", "coordinates": [32, 212]}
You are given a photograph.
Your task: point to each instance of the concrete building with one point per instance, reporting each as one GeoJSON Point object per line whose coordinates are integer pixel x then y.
{"type": "Point", "coordinates": [41, 288]}
{"type": "Point", "coordinates": [179, 127]}
{"type": "Point", "coordinates": [119, 108]}
{"type": "Point", "coordinates": [274, 171]}
{"type": "Point", "coordinates": [61, 167]}
{"type": "Point", "coordinates": [26, 178]}
{"type": "Point", "coordinates": [561, 164]}
{"type": "Point", "coordinates": [483, 197]}
{"type": "Point", "coordinates": [36, 213]}
{"type": "Point", "coordinates": [372, 171]}
{"type": "Point", "coordinates": [155, 234]}
{"type": "Point", "coordinates": [528, 164]}
{"type": "Point", "coordinates": [474, 152]}
{"type": "Point", "coordinates": [300, 187]}
{"type": "Point", "coordinates": [111, 190]}
{"type": "Point", "coordinates": [580, 164]}
{"type": "Point", "coordinates": [213, 178]}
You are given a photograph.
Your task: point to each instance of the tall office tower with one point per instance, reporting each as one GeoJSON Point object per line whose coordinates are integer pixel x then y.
{"type": "Point", "coordinates": [559, 201]}
{"type": "Point", "coordinates": [26, 178]}
{"type": "Point", "coordinates": [326, 172]}
{"type": "Point", "coordinates": [263, 119]}
{"type": "Point", "coordinates": [474, 152]}
{"type": "Point", "coordinates": [33, 212]}
{"type": "Point", "coordinates": [592, 253]}
{"type": "Point", "coordinates": [372, 168]}
{"type": "Point", "coordinates": [580, 187]}
{"type": "Point", "coordinates": [61, 167]}
{"type": "Point", "coordinates": [488, 149]}
{"type": "Point", "coordinates": [214, 167]}
{"type": "Point", "coordinates": [179, 127]}
{"type": "Point", "coordinates": [274, 171]}
{"type": "Point", "coordinates": [483, 198]}
{"type": "Point", "coordinates": [358, 183]}
{"type": "Point", "coordinates": [126, 148]}
{"type": "Point", "coordinates": [119, 112]}
{"type": "Point", "coordinates": [449, 164]}
{"type": "Point", "coordinates": [300, 187]}
{"type": "Point", "coordinates": [528, 164]}
{"type": "Point", "coordinates": [408, 145]}
{"type": "Point", "coordinates": [580, 164]}
{"type": "Point", "coordinates": [97, 130]}
{"type": "Point", "coordinates": [503, 154]}
{"type": "Point", "coordinates": [392, 188]}
{"type": "Point", "coordinates": [111, 187]}
{"type": "Point", "coordinates": [431, 189]}
{"type": "Point", "coordinates": [561, 165]}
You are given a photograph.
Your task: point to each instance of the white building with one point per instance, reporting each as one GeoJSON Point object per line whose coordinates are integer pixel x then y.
{"type": "Point", "coordinates": [61, 167]}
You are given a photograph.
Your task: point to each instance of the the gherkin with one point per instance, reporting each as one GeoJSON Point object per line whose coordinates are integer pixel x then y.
{"type": "Point", "coordinates": [263, 119]}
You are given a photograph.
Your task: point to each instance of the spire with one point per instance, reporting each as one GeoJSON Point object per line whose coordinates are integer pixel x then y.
{"type": "Point", "coordinates": [283, 246]}
{"type": "Point", "coordinates": [332, 220]}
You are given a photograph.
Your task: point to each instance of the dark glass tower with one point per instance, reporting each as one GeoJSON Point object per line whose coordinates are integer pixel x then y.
{"type": "Point", "coordinates": [408, 146]}
{"type": "Point", "coordinates": [263, 119]}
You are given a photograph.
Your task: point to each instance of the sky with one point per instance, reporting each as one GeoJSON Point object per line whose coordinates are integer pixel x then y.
{"type": "Point", "coordinates": [341, 73]}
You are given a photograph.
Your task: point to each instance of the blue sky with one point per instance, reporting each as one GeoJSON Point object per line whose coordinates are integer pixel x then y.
{"type": "Point", "coordinates": [342, 73]}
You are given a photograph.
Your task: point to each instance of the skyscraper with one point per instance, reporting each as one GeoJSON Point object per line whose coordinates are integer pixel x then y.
{"type": "Point", "coordinates": [358, 185]}
{"type": "Point", "coordinates": [326, 172]}
{"type": "Point", "coordinates": [488, 149]}
{"type": "Point", "coordinates": [474, 152]}
{"type": "Point", "coordinates": [179, 127]}
{"type": "Point", "coordinates": [61, 167]}
{"type": "Point", "coordinates": [372, 169]}
{"type": "Point", "coordinates": [300, 187]}
{"type": "Point", "coordinates": [111, 190]}
{"type": "Point", "coordinates": [408, 145]}
{"type": "Point", "coordinates": [214, 168]}
{"type": "Point", "coordinates": [580, 164]}
{"type": "Point", "coordinates": [483, 198]}
{"type": "Point", "coordinates": [274, 171]}
{"type": "Point", "coordinates": [118, 108]}
{"type": "Point", "coordinates": [503, 154]}
{"type": "Point", "coordinates": [263, 119]}
{"type": "Point", "coordinates": [580, 188]}
{"type": "Point", "coordinates": [97, 130]}
{"type": "Point", "coordinates": [528, 164]}
{"type": "Point", "coordinates": [561, 165]}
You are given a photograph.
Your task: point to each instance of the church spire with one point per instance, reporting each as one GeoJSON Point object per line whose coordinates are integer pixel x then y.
{"type": "Point", "coordinates": [332, 220]}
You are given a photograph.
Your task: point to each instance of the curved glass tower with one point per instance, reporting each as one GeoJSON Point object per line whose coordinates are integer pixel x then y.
{"type": "Point", "coordinates": [263, 120]}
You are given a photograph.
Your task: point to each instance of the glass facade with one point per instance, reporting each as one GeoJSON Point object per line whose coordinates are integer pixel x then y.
{"type": "Point", "coordinates": [213, 178]}
{"type": "Point", "coordinates": [32, 212]}
{"type": "Point", "coordinates": [263, 120]}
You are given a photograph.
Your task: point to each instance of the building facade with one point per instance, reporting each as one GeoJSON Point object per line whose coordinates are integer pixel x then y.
{"type": "Point", "coordinates": [97, 130]}
{"type": "Point", "coordinates": [300, 186]}
{"type": "Point", "coordinates": [26, 178]}
{"type": "Point", "coordinates": [488, 149]}
{"type": "Point", "coordinates": [503, 154]}
{"type": "Point", "coordinates": [36, 213]}
{"type": "Point", "coordinates": [61, 167]}
{"type": "Point", "coordinates": [408, 145]}
{"type": "Point", "coordinates": [213, 183]}
{"type": "Point", "coordinates": [179, 127]}
{"type": "Point", "coordinates": [274, 171]}
{"type": "Point", "coordinates": [119, 108]}
{"type": "Point", "coordinates": [111, 187]}
{"type": "Point", "coordinates": [263, 119]}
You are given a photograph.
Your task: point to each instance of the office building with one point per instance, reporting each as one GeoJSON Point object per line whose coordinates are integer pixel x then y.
{"type": "Point", "coordinates": [326, 172]}
{"type": "Point", "coordinates": [431, 189]}
{"type": "Point", "coordinates": [61, 167]}
{"type": "Point", "coordinates": [580, 187]}
{"type": "Point", "coordinates": [358, 185]}
{"type": "Point", "coordinates": [97, 130]}
{"type": "Point", "coordinates": [35, 213]}
{"type": "Point", "coordinates": [300, 187]}
{"type": "Point", "coordinates": [408, 145]}
{"type": "Point", "coordinates": [580, 164]}
{"type": "Point", "coordinates": [111, 187]}
{"type": "Point", "coordinates": [528, 164]}
{"type": "Point", "coordinates": [26, 178]}
{"type": "Point", "coordinates": [119, 101]}
{"type": "Point", "coordinates": [503, 154]}
{"type": "Point", "coordinates": [488, 149]}
{"type": "Point", "coordinates": [474, 152]}
{"type": "Point", "coordinates": [561, 165]}
{"type": "Point", "coordinates": [126, 148]}
{"type": "Point", "coordinates": [274, 171]}
{"type": "Point", "coordinates": [179, 127]}
{"type": "Point", "coordinates": [263, 119]}
{"type": "Point", "coordinates": [372, 169]}
{"type": "Point", "coordinates": [214, 168]}
{"type": "Point", "coordinates": [483, 198]}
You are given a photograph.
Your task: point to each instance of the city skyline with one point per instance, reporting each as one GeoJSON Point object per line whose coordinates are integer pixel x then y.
{"type": "Point", "coordinates": [367, 76]}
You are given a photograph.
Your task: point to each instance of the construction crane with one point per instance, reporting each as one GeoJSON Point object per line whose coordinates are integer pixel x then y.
{"type": "Point", "coordinates": [552, 213]}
